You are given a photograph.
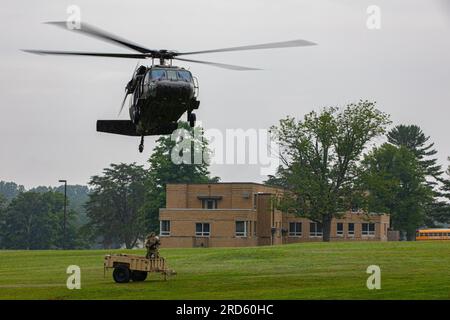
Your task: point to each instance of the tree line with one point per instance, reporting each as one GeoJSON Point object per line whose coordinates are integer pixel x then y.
{"type": "Point", "coordinates": [117, 208]}
{"type": "Point", "coordinates": [330, 164]}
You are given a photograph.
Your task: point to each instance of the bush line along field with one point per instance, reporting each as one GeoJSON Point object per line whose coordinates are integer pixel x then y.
{"type": "Point", "coordinates": [410, 270]}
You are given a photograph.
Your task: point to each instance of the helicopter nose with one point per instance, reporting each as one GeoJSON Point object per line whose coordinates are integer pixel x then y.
{"type": "Point", "coordinates": [173, 90]}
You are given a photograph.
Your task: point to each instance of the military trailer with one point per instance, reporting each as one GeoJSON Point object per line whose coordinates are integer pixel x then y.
{"type": "Point", "coordinates": [133, 267]}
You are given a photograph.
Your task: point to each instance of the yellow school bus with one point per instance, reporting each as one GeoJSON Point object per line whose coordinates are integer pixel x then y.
{"type": "Point", "coordinates": [433, 234]}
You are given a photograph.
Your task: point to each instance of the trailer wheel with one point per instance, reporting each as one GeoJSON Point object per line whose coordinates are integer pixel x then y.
{"type": "Point", "coordinates": [121, 274]}
{"type": "Point", "coordinates": [138, 275]}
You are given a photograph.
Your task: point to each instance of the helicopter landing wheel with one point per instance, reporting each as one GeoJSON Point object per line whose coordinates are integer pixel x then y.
{"type": "Point", "coordinates": [192, 118]}
{"type": "Point", "coordinates": [141, 145]}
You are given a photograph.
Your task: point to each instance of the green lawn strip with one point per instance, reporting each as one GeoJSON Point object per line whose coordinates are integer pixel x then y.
{"type": "Point", "coordinates": [410, 270]}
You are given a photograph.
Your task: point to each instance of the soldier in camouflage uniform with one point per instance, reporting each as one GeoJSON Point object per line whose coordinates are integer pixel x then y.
{"type": "Point", "coordinates": [152, 244]}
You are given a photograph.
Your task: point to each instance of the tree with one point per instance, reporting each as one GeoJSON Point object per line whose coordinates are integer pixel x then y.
{"type": "Point", "coordinates": [10, 190]}
{"type": "Point", "coordinates": [2, 218]}
{"type": "Point", "coordinates": [440, 210]}
{"type": "Point", "coordinates": [446, 183]}
{"type": "Point", "coordinates": [33, 221]}
{"type": "Point", "coordinates": [3, 204]}
{"type": "Point", "coordinates": [437, 213]}
{"type": "Point", "coordinates": [63, 237]}
{"type": "Point", "coordinates": [395, 180]}
{"type": "Point", "coordinates": [277, 180]}
{"type": "Point", "coordinates": [320, 155]}
{"type": "Point", "coordinates": [115, 203]}
{"type": "Point", "coordinates": [413, 138]}
{"type": "Point", "coordinates": [163, 170]}
{"type": "Point", "coordinates": [77, 196]}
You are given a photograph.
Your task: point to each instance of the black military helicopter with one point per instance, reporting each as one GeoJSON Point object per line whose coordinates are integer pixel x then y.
{"type": "Point", "coordinates": [160, 93]}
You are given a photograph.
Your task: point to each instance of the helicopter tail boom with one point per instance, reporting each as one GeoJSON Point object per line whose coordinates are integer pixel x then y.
{"type": "Point", "coordinates": [128, 128]}
{"type": "Point", "coordinates": [122, 127]}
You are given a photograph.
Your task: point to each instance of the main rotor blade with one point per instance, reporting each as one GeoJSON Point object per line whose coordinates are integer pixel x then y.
{"type": "Point", "coordinates": [272, 45]}
{"type": "Point", "coordinates": [123, 103]}
{"type": "Point", "coordinates": [93, 54]}
{"type": "Point", "coordinates": [220, 65]}
{"type": "Point", "coordinates": [98, 33]}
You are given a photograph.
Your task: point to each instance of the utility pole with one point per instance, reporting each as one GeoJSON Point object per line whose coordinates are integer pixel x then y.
{"type": "Point", "coordinates": [65, 212]}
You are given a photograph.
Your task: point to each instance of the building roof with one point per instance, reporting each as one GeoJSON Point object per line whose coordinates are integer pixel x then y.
{"type": "Point", "coordinates": [254, 183]}
{"type": "Point", "coordinates": [230, 183]}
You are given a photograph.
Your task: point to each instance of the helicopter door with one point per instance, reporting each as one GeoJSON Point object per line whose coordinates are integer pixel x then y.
{"type": "Point", "coordinates": [139, 89]}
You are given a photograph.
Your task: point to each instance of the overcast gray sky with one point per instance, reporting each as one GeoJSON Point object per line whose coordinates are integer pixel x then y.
{"type": "Point", "coordinates": [50, 104]}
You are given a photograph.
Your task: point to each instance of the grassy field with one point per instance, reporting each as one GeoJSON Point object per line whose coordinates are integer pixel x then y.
{"type": "Point", "coordinates": [414, 270]}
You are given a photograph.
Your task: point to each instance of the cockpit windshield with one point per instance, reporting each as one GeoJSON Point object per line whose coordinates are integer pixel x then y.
{"type": "Point", "coordinates": [184, 75]}
{"type": "Point", "coordinates": [173, 75]}
{"type": "Point", "coordinates": [158, 74]}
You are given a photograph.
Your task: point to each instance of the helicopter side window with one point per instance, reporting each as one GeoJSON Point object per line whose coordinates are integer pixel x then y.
{"type": "Point", "coordinates": [184, 76]}
{"type": "Point", "coordinates": [158, 74]}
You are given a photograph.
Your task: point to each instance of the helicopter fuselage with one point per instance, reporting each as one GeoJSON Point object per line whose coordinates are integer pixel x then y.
{"type": "Point", "coordinates": [161, 93]}
{"type": "Point", "coordinates": [161, 96]}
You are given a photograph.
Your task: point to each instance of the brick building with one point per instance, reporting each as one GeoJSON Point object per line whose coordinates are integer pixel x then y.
{"type": "Point", "coordinates": [243, 214]}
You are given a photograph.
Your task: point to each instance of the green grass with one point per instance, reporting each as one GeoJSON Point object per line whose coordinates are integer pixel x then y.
{"type": "Point", "coordinates": [410, 270]}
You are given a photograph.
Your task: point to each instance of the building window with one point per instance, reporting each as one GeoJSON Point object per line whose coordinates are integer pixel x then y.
{"type": "Point", "coordinates": [209, 204]}
{"type": "Point", "coordinates": [340, 229]}
{"type": "Point", "coordinates": [202, 229]}
{"type": "Point", "coordinates": [241, 228]}
{"type": "Point", "coordinates": [368, 229]}
{"type": "Point", "coordinates": [351, 229]}
{"type": "Point", "coordinates": [164, 228]}
{"type": "Point", "coordinates": [315, 229]}
{"type": "Point", "coordinates": [254, 228]}
{"type": "Point", "coordinates": [295, 229]}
